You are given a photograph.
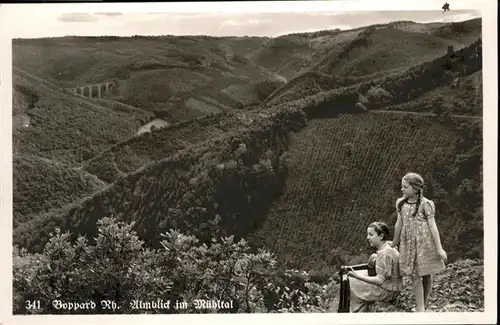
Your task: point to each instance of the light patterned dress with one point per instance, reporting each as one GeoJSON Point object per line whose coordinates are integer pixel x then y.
{"type": "Point", "coordinates": [418, 253]}
{"type": "Point", "coordinates": [364, 294]}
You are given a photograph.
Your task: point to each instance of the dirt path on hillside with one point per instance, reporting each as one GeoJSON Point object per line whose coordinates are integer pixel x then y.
{"type": "Point", "coordinates": [471, 117]}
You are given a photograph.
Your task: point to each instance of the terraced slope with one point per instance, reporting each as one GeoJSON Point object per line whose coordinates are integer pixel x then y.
{"type": "Point", "coordinates": [344, 173]}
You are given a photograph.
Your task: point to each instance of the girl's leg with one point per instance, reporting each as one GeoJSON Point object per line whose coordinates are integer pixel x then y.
{"type": "Point", "coordinates": [427, 282]}
{"type": "Point", "coordinates": [418, 291]}
{"type": "Point", "coordinates": [360, 307]}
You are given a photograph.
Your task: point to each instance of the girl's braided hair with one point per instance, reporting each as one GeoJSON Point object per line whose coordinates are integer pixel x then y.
{"type": "Point", "coordinates": [417, 182]}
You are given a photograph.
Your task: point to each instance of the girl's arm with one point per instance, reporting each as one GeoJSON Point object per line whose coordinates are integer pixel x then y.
{"type": "Point", "coordinates": [376, 280]}
{"type": "Point", "coordinates": [397, 231]}
{"type": "Point", "coordinates": [398, 226]}
{"type": "Point", "coordinates": [434, 233]}
{"type": "Point", "coordinates": [362, 266]}
{"type": "Point", "coordinates": [384, 265]}
{"type": "Point", "coordinates": [430, 211]}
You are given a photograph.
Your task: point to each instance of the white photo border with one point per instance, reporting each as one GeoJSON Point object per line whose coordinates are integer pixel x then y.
{"type": "Point", "coordinates": [488, 10]}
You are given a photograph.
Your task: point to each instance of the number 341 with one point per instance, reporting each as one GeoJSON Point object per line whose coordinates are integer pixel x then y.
{"type": "Point", "coordinates": [33, 304]}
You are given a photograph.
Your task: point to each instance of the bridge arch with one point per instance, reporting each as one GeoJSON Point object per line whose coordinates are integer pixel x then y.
{"type": "Point", "coordinates": [95, 90]}
{"type": "Point", "coordinates": [86, 91]}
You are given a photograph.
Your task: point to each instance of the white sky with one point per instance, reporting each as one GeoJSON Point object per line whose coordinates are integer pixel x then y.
{"type": "Point", "coordinates": [219, 19]}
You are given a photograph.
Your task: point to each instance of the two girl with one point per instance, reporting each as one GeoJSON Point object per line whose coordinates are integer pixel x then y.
{"type": "Point", "coordinates": [420, 252]}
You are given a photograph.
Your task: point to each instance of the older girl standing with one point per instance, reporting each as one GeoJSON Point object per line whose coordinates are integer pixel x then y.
{"type": "Point", "coordinates": [416, 233]}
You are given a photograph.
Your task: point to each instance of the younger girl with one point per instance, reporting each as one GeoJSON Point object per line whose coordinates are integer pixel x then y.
{"type": "Point", "coordinates": [365, 289]}
{"type": "Point", "coordinates": [416, 233]}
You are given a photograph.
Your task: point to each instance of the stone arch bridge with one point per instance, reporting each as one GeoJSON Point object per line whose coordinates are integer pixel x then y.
{"type": "Point", "coordinates": [99, 90]}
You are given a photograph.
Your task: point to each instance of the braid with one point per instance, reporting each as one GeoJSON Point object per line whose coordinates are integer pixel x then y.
{"type": "Point", "coordinates": [400, 204]}
{"type": "Point", "coordinates": [419, 200]}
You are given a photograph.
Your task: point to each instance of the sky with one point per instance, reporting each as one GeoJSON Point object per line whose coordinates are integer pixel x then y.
{"type": "Point", "coordinates": [220, 19]}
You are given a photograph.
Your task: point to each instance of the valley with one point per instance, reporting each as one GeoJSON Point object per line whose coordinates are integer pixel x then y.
{"type": "Point", "coordinates": [295, 143]}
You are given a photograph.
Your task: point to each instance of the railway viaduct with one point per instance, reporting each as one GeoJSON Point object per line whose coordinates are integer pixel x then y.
{"type": "Point", "coordinates": [94, 90]}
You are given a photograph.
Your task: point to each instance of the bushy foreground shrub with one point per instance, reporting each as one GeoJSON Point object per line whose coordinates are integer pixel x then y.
{"type": "Point", "coordinates": [117, 267]}
{"type": "Point", "coordinates": [117, 271]}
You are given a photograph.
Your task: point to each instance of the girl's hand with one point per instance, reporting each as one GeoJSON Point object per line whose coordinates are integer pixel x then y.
{"type": "Point", "coordinates": [393, 244]}
{"type": "Point", "coordinates": [442, 254]}
{"type": "Point", "coordinates": [351, 273]}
